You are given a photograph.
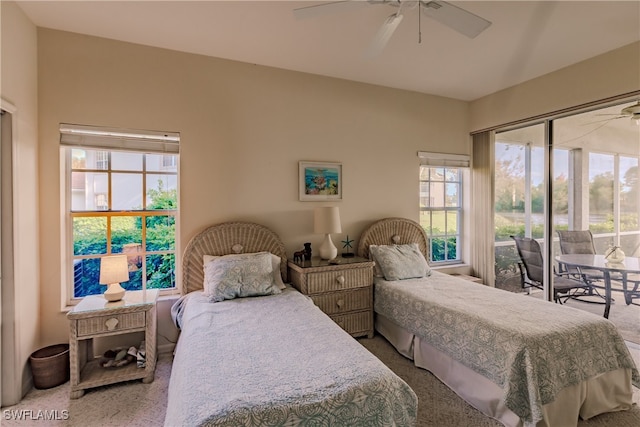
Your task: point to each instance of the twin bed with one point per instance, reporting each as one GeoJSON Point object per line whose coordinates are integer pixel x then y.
{"type": "Point", "coordinates": [273, 358]}
{"type": "Point", "coordinates": [276, 359]}
{"type": "Point", "coordinates": [519, 360]}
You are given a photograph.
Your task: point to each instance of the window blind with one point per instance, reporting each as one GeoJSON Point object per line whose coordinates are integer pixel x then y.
{"type": "Point", "coordinates": [444, 160]}
{"type": "Point", "coordinates": [119, 139]}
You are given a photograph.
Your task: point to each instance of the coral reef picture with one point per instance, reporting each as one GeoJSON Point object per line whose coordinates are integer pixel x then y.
{"type": "Point", "coordinates": [320, 181]}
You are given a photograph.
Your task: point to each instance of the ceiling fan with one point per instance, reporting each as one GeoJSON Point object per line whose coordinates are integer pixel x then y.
{"type": "Point", "coordinates": [632, 112]}
{"type": "Point", "coordinates": [458, 19]}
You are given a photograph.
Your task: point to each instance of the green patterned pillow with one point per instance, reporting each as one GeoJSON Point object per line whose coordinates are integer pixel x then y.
{"type": "Point", "coordinates": [399, 262]}
{"type": "Point", "coordinates": [237, 276]}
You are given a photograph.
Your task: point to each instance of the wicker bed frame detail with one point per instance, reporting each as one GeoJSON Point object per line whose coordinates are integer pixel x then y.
{"type": "Point", "coordinates": [224, 239]}
{"type": "Point", "coordinates": [388, 231]}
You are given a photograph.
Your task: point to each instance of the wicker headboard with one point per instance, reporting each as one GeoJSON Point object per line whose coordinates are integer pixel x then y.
{"type": "Point", "coordinates": [389, 231]}
{"type": "Point", "coordinates": [223, 239]}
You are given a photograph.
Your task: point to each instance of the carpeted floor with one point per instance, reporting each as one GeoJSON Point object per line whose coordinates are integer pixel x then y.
{"type": "Point", "coordinates": [135, 404]}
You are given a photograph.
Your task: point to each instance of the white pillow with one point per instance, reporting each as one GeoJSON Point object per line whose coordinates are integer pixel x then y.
{"type": "Point", "coordinates": [238, 276]}
{"type": "Point", "coordinates": [275, 266]}
{"type": "Point", "coordinates": [399, 262]}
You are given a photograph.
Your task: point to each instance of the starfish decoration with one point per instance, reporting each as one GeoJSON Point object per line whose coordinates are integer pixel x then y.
{"type": "Point", "coordinates": [347, 243]}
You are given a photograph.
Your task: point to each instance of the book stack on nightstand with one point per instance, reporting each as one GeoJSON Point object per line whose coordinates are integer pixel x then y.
{"type": "Point", "coordinates": [344, 291]}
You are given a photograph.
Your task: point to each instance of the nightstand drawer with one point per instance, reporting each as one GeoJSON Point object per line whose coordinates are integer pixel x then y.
{"type": "Point", "coordinates": [116, 322]}
{"type": "Point", "coordinates": [328, 281]}
{"type": "Point", "coordinates": [343, 302]}
{"type": "Point", "coordinates": [357, 324]}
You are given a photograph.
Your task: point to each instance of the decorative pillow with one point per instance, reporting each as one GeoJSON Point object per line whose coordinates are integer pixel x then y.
{"type": "Point", "coordinates": [237, 276]}
{"type": "Point", "coordinates": [399, 262]}
{"type": "Point", "coordinates": [275, 266]}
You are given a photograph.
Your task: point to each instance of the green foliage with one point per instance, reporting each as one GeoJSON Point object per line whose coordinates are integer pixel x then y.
{"type": "Point", "coordinates": [90, 238]}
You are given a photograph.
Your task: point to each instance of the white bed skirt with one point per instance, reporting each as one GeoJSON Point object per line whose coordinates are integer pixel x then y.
{"type": "Point", "coordinates": [604, 393]}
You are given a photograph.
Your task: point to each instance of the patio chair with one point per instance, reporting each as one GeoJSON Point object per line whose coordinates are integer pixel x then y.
{"type": "Point", "coordinates": [579, 242]}
{"type": "Point", "coordinates": [531, 272]}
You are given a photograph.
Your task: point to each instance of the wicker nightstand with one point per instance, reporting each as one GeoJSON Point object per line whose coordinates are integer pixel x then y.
{"type": "Point", "coordinates": [343, 291]}
{"type": "Point", "coordinates": [95, 317]}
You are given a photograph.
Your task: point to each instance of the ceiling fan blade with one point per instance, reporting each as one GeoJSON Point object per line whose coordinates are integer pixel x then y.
{"type": "Point", "coordinates": [454, 17]}
{"type": "Point", "coordinates": [383, 35]}
{"type": "Point", "coordinates": [603, 120]}
{"type": "Point", "coordinates": [326, 8]}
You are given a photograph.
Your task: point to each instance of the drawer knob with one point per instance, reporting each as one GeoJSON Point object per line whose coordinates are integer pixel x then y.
{"type": "Point", "coordinates": [111, 324]}
{"type": "Point", "coordinates": [340, 279]}
{"type": "Point", "coordinates": [340, 303]}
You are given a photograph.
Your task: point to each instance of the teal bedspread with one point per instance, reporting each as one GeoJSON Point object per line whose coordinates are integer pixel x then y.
{"type": "Point", "coordinates": [277, 361]}
{"type": "Point", "coordinates": [531, 348]}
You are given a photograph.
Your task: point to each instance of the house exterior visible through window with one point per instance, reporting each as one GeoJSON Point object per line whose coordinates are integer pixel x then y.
{"type": "Point", "coordinates": [441, 205]}
{"type": "Point", "coordinates": [121, 198]}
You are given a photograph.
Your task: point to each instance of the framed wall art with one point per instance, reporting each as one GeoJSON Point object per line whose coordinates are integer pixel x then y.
{"type": "Point", "coordinates": [320, 181]}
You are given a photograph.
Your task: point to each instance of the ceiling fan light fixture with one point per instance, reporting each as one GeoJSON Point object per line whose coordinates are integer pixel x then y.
{"type": "Point", "coordinates": [632, 110]}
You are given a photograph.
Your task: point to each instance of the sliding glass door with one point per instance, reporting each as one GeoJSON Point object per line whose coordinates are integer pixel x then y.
{"type": "Point", "coordinates": [593, 176]}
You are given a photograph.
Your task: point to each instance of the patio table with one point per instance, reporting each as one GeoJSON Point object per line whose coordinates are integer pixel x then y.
{"type": "Point", "coordinates": [630, 265]}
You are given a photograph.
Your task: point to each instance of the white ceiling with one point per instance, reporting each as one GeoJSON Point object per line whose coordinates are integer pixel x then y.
{"type": "Point", "coordinates": [527, 39]}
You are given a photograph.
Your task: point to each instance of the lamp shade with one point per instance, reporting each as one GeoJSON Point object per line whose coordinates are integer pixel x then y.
{"type": "Point", "coordinates": [326, 220]}
{"type": "Point", "coordinates": [114, 269]}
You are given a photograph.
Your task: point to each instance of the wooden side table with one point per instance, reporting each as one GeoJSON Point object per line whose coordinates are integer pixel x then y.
{"type": "Point", "coordinates": [95, 317]}
{"type": "Point", "coordinates": [343, 291]}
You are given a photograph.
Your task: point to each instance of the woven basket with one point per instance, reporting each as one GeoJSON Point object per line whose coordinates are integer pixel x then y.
{"type": "Point", "coordinates": [50, 366]}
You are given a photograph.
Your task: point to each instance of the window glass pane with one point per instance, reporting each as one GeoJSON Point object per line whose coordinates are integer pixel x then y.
{"type": "Point", "coordinates": [425, 221]}
{"type": "Point", "coordinates": [629, 201]}
{"type": "Point", "coordinates": [126, 191]}
{"type": "Point", "coordinates": [86, 277]}
{"type": "Point", "coordinates": [452, 195]}
{"type": "Point", "coordinates": [89, 191]}
{"type": "Point", "coordinates": [436, 194]}
{"type": "Point", "coordinates": [437, 249]}
{"type": "Point", "coordinates": [437, 174]}
{"type": "Point", "coordinates": [89, 159]}
{"type": "Point", "coordinates": [160, 271]}
{"type": "Point", "coordinates": [560, 189]}
{"type": "Point", "coordinates": [162, 191]}
{"type": "Point", "coordinates": [89, 236]}
{"type": "Point", "coordinates": [135, 280]}
{"type": "Point", "coordinates": [452, 248]}
{"type": "Point", "coordinates": [161, 232]}
{"type": "Point", "coordinates": [600, 193]}
{"type": "Point", "coordinates": [125, 232]}
{"type": "Point", "coordinates": [452, 175]}
{"type": "Point", "coordinates": [424, 194]}
{"type": "Point", "coordinates": [509, 190]}
{"type": "Point", "coordinates": [126, 161]}
{"type": "Point", "coordinates": [78, 159]}
{"type": "Point", "coordinates": [438, 226]}
{"type": "Point", "coordinates": [162, 162]}
{"type": "Point", "coordinates": [452, 222]}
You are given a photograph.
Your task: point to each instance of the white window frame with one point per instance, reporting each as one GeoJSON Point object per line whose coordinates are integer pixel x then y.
{"type": "Point", "coordinates": [110, 140]}
{"type": "Point", "coordinates": [461, 163]}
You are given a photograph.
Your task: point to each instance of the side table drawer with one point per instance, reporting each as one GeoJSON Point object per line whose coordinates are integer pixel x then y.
{"type": "Point", "coordinates": [343, 302]}
{"type": "Point", "coordinates": [116, 322]}
{"type": "Point", "coordinates": [328, 281]}
{"type": "Point", "coordinates": [357, 324]}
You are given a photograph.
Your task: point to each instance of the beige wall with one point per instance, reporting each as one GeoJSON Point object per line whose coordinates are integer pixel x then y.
{"type": "Point", "coordinates": [243, 130]}
{"type": "Point", "coordinates": [18, 87]}
{"type": "Point", "coordinates": [608, 75]}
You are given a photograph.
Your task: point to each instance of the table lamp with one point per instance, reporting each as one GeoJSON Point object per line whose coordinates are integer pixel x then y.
{"type": "Point", "coordinates": [114, 270]}
{"type": "Point", "coordinates": [326, 220]}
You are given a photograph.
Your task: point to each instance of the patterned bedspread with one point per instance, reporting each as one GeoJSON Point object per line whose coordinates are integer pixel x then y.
{"type": "Point", "coordinates": [277, 360]}
{"type": "Point", "coordinates": [531, 348]}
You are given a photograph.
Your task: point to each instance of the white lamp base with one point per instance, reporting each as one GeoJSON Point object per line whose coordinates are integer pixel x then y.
{"type": "Point", "coordinates": [114, 292]}
{"type": "Point", "coordinates": [327, 249]}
